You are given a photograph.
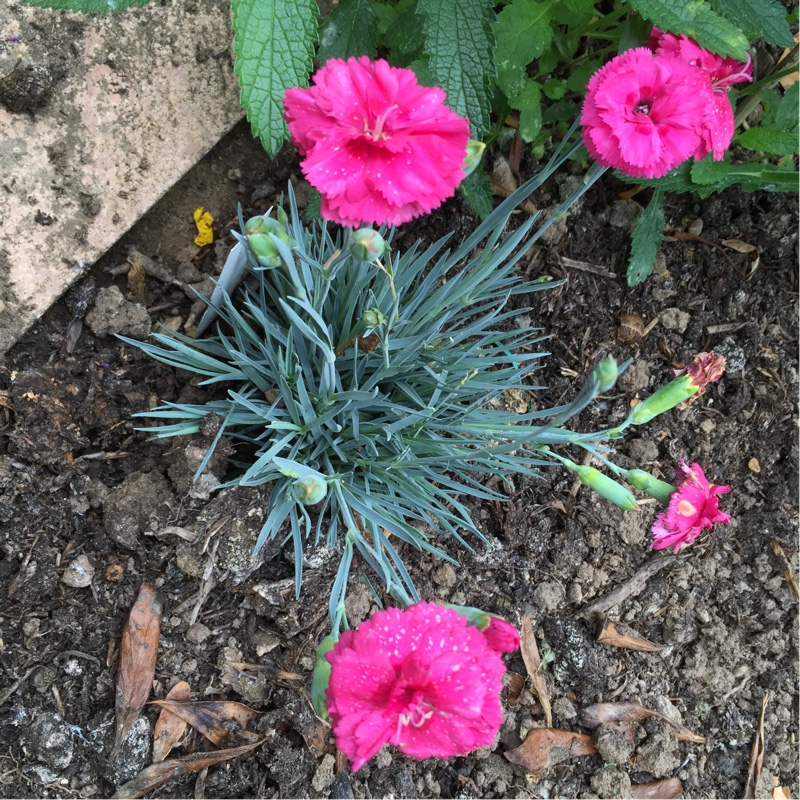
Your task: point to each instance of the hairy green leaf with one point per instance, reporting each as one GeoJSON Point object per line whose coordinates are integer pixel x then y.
{"type": "Point", "coordinates": [459, 44]}
{"type": "Point", "coordinates": [647, 237]}
{"type": "Point", "coordinates": [698, 20]}
{"type": "Point", "coordinates": [274, 48]}
{"type": "Point", "coordinates": [529, 104]}
{"type": "Point", "coordinates": [768, 140]}
{"type": "Point", "coordinates": [404, 36]}
{"type": "Point", "coordinates": [554, 88]}
{"type": "Point", "coordinates": [350, 30]}
{"type": "Point", "coordinates": [765, 19]}
{"type": "Point", "coordinates": [523, 33]}
{"type": "Point", "coordinates": [477, 191]}
{"type": "Point", "coordinates": [786, 117]}
{"type": "Point", "coordinates": [87, 6]}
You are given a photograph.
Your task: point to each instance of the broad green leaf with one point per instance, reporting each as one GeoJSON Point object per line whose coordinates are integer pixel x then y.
{"type": "Point", "coordinates": [708, 171]}
{"type": "Point", "coordinates": [676, 180]}
{"type": "Point", "coordinates": [768, 140]}
{"type": "Point", "coordinates": [386, 15]}
{"type": "Point", "coordinates": [477, 191]}
{"type": "Point", "coordinates": [350, 30]}
{"type": "Point", "coordinates": [647, 237]}
{"type": "Point", "coordinates": [274, 48]}
{"type": "Point", "coordinates": [404, 37]}
{"type": "Point", "coordinates": [696, 19]}
{"type": "Point", "coordinates": [529, 103]}
{"type": "Point", "coordinates": [579, 77]}
{"type": "Point", "coordinates": [87, 6]}
{"type": "Point", "coordinates": [635, 32]}
{"type": "Point", "coordinates": [459, 44]}
{"type": "Point", "coordinates": [766, 19]}
{"type": "Point", "coordinates": [523, 33]}
{"type": "Point", "coordinates": [554, 88]}
{"type": "Point", "coordinates": [786, 118]}
{"type": "Point", "coordinates": [579, 6]}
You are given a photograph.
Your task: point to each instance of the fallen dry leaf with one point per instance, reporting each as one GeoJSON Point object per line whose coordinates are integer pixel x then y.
{"type": "Point", "coordinates": [545, 747]}
{"type": "Point", "coordinates": [603, 713]}
{"type": "Point", "coordinates": [170, 727]}
{"type": "Point", "coordinates": [504, 184]}
{"type": "Point", "coordinates": [137, 661]}
{"type": "Point", "coordinates": [513, 683]}
{"type": "Point", "coordinates": [612, 637]}
{"type": "Point", "coordinates": [667, 789]}
{"type": "Point", "coordinates": [215, 719]}
{"type": "Point", "coordinates": [780, 792]}
{"type": "Point", "coordinates": [756, 754]}
{"type": "Point", "coordinates": [156, 775]}
{"type": "Point", "coordinates": [533, 663]}
{"type": "Point", "coordinates": [739, 246]}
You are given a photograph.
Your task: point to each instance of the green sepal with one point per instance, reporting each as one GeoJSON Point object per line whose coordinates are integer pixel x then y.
{"type": "Point", "coordinates": [322, 677]}
{"type": "Point", "coordinates": [666, 398]}
{"type": "Point", "coordinates": [606, 487]}
{"type": "Point", "coordinates": [649, 484]}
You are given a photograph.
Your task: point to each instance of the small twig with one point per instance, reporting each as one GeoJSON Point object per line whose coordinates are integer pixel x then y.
{"type": "Point", "coordinates": [633, 586]}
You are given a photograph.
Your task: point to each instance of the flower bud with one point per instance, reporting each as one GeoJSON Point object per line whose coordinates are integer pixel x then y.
{"type": "Point", "coordinates": [321, 677]}
{"type": "Point", "coordinates": [667, 397]}
{"type": "Point", "coordinates": [372, 318]}
{"type": "Point", "coordinates": [606, 373]}
{"type": "Point", "coordinates": [368, 245]}
{"type": "Point", "coordinates": [310, 490]}
{"type": "Point", "coordinates": [651, 485]}
{"type": "Point", "coordinates": [606, 487]}
{"type": "Point", "coordinates": [258, 230]}
{"type": "Point", "coordinates": [474, 154]}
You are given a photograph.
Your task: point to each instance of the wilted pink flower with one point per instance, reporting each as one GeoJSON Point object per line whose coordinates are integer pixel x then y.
{"type": "Point", "coordinates": [377, 146]}
{"type": "Point", "coordinates": [421, 679]}
{"type": "Point", "coordinates": [500, 635]}
{"type": "Point", "coordinates": [693, 507]}
{"type": "Point", "coordinates": [643, 113]}
{"type": "Point", "coordinates": [721, 73]}
{"type": "Point", "coordinates": [705, 368]}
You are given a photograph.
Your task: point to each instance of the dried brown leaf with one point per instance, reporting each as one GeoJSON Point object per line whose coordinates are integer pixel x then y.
{"type": "Point", "coordinates": [170, 727]}
{"type": "Point", "coordinates": [545, 747]}
{"type": "Point", "coordinates": [739, 246]}
{"type": "Point", "coordinates": [137, 661]}
{"type": "Point", "coordinates": [503, 182]}
{"type": "Point", "coordinates": [156, 775]}
{"type": "Point", "coordinates": [533, 663]}
{"type": "Point", "coordinates": [780, 792]}
{"type": "Point", "coordinates": [611, 636]}
{"type": "Point", "coordinates": [756, 753]}
{"type": "Point", "coordinates": [667, 789]}
{"type": "Point", "coordinates": [603, 713]}
{"type": "Point", "coordinates": [215, 719]}
{"type": "Point", "coordinates": [513, 683]}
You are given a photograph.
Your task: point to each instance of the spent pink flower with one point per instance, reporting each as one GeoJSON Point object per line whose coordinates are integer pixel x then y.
{"type": "Point", "coordinates": [421, 679]}
{"type": "Point", "coordinates": [693, 507]}
{"type": "Point", "coordinates": [705, 368]}
{"type": "Point", "coordinates": [379, 147]}
{"type": "Point", "coordinates": [721, 73]}
{"type": "Point", "coordinates": [643, 112]}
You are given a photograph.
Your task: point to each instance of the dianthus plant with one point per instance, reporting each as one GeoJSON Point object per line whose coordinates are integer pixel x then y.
{"type": "Point", "coordinates": [369, 394]}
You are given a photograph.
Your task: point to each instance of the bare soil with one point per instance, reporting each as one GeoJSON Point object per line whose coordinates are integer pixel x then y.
{"type": "Point", "coordinates": [90, 508]}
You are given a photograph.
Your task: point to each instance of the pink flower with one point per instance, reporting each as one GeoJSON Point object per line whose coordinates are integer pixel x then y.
{"type": "Point", "coordinates": [421, 679]}
{"type": "Point", "coordinates": [643, 113]}
{"type": "Point", "coordinates": [718, 122]}
{"type": "Point", "coordinates": [693, 507]}
{"type": "Point", "coordinates": [377, 146]}
{"type": "Point", "coordinates": [705, 368]}
{"type": "Point", "coordinates": [500, 635]}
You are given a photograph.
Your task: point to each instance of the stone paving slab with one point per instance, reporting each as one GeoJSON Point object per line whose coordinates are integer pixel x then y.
{"type": "Point", "coordinates": [99, 117]}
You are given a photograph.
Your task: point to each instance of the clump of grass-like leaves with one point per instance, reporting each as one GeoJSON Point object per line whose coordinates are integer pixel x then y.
{"type": "Point", "coordinates": [366, 390]}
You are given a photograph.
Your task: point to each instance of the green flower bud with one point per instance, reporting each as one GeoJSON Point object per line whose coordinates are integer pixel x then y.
{"type": "Point", "coordinates": [651, 485]}
{"type": "Point", "coordinates": [322, 677]}
{"type": "Point", "coordinates": [310, 490]}
{"type": "Point", "coordinates": [372, 318]}
{"type": "Point", "coordinates": [474, 154]}
{"type": "Point", "coordinates": [368, 245]}
{"type": "Point", "coordinates": [258, 230]}
{"type": "Point", "coordinates": [606, 373]}
{"type": "Point", "coordinates": [667, 397]}
{"type": "Point", "coordinates": [606, 487]}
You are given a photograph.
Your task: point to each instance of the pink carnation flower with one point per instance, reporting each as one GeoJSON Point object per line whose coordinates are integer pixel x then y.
{"type": "Point", "coordinates": [421, 679]}
{"type": "Point", "coordinates": [642, 113]}
{"type": "Point", "coordinates": [720, 73]}
{"type": "Point", "coordinates": [693, 506]}
{"type": "Point", "coordinates": [378, 147]}
{"type": "Point", "coordinates": [500, 635]}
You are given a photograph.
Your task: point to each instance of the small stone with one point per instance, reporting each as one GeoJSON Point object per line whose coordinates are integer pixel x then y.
{"type": "Point", "coordinates": [735, 359]}
{"type": "Point", "coordinates": [614, 743]}
{"type": "Point", "coordinates": [564, 708]}
{"type": "Point", "coordinates": [612, 782]}
{"type": "Point", "coordinates": [673, 319]}
{"type": "Point", "coordinates": [198, 633]}
{"type": "Point", "coordinates": [549, 595]}
{"type": "Point", "coordinates": [625, 214]}
{"type": "Point", "coordinates": [323, 777]}
{"type": "Point", "coordinates": [445, 576]}
{"type": "Point", "coordinates": [79, 573]}
{"type": "Point", "coordinates": [112, 313]}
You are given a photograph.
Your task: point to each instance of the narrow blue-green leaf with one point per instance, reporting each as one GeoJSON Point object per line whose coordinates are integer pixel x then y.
{"type": "Point", "coordinates": [698, 20]}
{"type": "Point", "coordinates": [647, 237]}
{"type": "Point", "coordinates": [765, 19]}
{"type": "Point", "coordinates": [87, 6]}
{"type": "Point", "coordinates": [459, 44]}
{"type": "Point", "coordinates": [351, 29]}
{"type": "Point", "coordinates": [273, 48]}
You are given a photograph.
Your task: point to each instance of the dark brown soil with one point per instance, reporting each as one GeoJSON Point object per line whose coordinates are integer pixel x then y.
{"type": "Point", "coordinates": [86, 496]}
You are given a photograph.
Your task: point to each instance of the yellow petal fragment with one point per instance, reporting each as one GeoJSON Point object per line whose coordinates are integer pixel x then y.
{"type": "Point", "coordinates": [203, 220]}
